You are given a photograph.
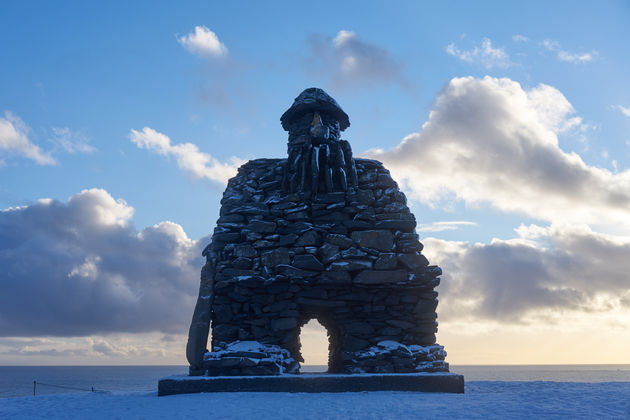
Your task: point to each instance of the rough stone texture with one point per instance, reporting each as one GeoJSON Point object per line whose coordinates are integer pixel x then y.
{"type": "Point", "coordinates": [337, 244]}
{"type": "Point", "coordinates": [251, 358]}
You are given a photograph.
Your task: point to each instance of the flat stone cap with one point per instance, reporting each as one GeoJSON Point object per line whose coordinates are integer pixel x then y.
{"type": "Point", "coordinates": [311, 100]}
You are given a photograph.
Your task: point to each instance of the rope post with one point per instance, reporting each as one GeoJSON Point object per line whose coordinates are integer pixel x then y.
{"type": "Point", "coordinates": [34, 387]}
{"type": "Point", "coordinates": [92, 389]}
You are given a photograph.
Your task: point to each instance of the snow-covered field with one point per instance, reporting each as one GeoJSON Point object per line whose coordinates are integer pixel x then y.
{"type": "Point", "coordinates": [483, 399]}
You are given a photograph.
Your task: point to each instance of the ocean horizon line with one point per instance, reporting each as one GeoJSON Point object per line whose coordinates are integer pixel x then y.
{"type": "Point", "coordinates": [318, 365]}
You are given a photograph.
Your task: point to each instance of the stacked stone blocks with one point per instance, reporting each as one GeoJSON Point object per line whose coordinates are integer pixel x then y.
{"type": "Point", "coordinates": [351, 260]}
{"type": "Point", "coordinates": [319, 235]}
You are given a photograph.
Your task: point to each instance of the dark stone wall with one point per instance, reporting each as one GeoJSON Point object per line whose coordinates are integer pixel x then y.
{"type": "Point", "coordinates": [352, 260]}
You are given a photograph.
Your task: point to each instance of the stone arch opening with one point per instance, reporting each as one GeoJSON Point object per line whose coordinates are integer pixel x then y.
{"type": "Point", "coordinates": [314, 347]}
{"type": "Point", "coordinates": [334, 362]}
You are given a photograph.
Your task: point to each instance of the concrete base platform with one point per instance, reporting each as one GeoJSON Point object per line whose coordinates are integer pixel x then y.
{"type": "Point", "coordinates": [415, 382]}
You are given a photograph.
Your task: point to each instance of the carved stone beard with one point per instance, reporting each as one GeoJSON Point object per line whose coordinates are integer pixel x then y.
{"type": "Point", "coordinates": [319, 161]}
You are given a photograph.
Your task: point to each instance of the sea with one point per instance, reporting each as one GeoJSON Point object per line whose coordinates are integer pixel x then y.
{"type": "Point", "coordinates": [20, 381]}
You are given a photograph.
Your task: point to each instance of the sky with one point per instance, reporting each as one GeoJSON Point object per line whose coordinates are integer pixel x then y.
{"type": "Point", "coordinates": [507, 125]}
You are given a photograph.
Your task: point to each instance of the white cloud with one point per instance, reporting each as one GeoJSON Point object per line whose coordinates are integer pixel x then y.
{"type": "Point", "coordinates": [81, 268]}
{"type": "Point", "coordinates": [519, 38]}
{"type": "Point", "coordinates": [203, 42]}
{"type": "Point", "coordinates": [567, 56]}
{"type": "Point", "coordinates": [70, 141]}
{"type": "Point", "coordinates": [88, 269]}
{"type": "Point", "coordinates": [344, 37]}
{"type": "Point", "coordinates": [14, 140]}
{"type": "Point", "coordinates": [550, 44]}
{"type": "Point", "coordinates": [543, 272]}
{"type": "Point", "coordinates": [139, 348]}
{"type": "Point", "coordinates": [107, 349]}
{"type": "Point", "coordinates": [442, 226]}
{"type": "Point", "coordinates": [575, 57]}
{"type": "Point", "coordinates": [351, 62]}
{"type": "Point", "coordinates": [624, 110]}
{"type": "Point", "coordinates": [188, 155]}
{"type": "Point", "coordinates": [485, 54]}
{"type": "Point", "coordinates": [489, 140]}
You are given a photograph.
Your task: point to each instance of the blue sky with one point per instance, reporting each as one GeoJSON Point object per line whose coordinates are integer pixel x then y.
{"type": "Point", "coordinates": [517, 120]}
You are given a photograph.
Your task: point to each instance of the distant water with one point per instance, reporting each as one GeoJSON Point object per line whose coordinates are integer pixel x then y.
{"type": "Point", "coordinates": [556, 373]}
{"type": "Point", "coordinates": [17, 381]}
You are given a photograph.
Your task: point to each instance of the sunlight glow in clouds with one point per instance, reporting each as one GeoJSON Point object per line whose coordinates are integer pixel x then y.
{"type": "Point", "coordinates": [81, 268]}
{"type": "Point", "coordinates": [489, 140]}
{"type": "Point", "coordinates": [188, 155]}
{"type": "Point", "coordinates": [545, 270]}
{"type": "Point", "coordinates": [203, 42]}
{"type": "Point", "coordinates": [136, 348]}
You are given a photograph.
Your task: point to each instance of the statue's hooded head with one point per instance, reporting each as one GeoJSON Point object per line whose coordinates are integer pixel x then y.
{"type": "Point", "coordinates": [314, 113]}
{"type": "Point", "coordinates": [318, 159]}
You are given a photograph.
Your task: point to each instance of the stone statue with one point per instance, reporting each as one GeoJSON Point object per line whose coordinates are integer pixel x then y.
{"type": "Point", "coordinates": [320, 235]}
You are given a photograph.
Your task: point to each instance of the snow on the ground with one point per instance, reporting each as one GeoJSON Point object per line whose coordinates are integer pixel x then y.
{"type": "Point", "coordinates": [495, 400]}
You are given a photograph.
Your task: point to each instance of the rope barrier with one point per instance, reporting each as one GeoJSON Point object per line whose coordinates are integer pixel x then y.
{"type": "Point", "coordinates": [35, 383]}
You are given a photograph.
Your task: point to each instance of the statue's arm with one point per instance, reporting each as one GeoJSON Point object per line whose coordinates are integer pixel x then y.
{"type": "Point", "coordinates": [200, 325]}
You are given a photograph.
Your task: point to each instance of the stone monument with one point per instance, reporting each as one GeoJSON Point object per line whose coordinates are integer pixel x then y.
{"type": "Point", "coordinates": [318, 235]}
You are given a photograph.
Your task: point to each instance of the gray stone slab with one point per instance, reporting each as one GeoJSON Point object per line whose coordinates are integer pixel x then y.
{"type": "Point", "coordinates": [414, 382]}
